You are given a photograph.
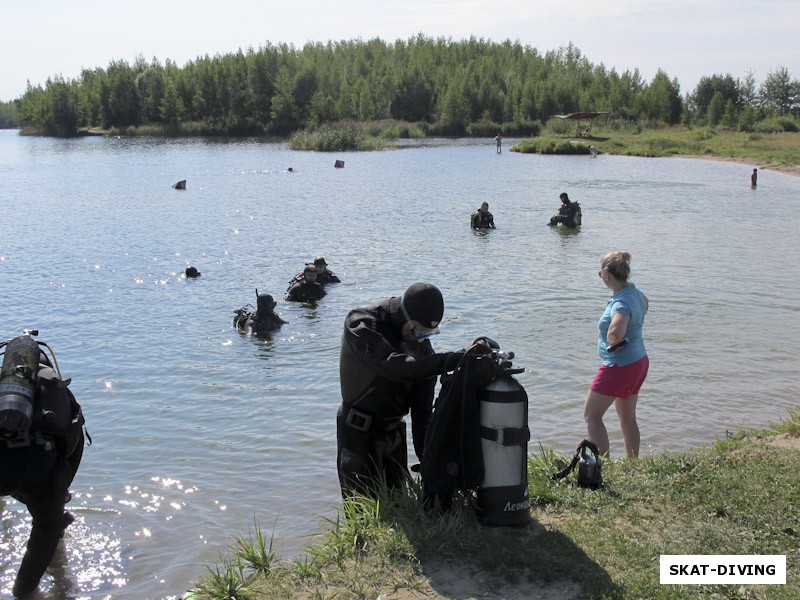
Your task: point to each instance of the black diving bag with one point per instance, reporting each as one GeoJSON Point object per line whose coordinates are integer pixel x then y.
{"type": "Point", "coordinates": [590, 474]}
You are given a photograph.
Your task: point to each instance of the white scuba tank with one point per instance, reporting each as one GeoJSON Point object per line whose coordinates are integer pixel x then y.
{"type": "Point", "coordinates": [503, 495]}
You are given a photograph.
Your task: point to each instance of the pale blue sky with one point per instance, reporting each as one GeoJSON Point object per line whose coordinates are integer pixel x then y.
{"type": "Point", "coordinates": [685, 38]}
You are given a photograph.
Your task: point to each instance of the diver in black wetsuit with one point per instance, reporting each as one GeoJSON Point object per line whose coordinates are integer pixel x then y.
{"type": "Point", "coordinates": [324, 275]}
{"type": "Point", "coordinates": [261, 322]}
{"type": "Point", "coordinates": [569, 213]}
{"type": "Point", "coordinates": [482, 218]}
{"type": "Point", "coordinates": [307, 289]}
{"type": "Point", "coordinates": [37, 466]}
{"type": "Point", "coordinates": [386, 369]}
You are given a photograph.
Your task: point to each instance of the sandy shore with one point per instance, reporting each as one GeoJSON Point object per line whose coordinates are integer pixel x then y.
{"type": "Point", "coordinates": [766, 166]}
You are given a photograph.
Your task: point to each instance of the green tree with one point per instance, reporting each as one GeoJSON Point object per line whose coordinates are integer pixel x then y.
{"type": "Point", "coordinates": [172, 108]}
{"type": "Point", "coordinates": [707, 87]}
{"type": "Point", "coordinates": [284, 109]}
{"type": "Point", "coordinates": [661, 100]}
{"type": "Point", "coordinates": [779, 93]}
{"type": "Point", "coordinates": [747, 120]}
{"type": "Point", "coordinates": [730, 117]}
{"type": "Point", "coordinates": [715, 108]}
{"type": "Point", "coordinates": [8, 116]}
{"type": "Point", "coordinates": [120, 96]}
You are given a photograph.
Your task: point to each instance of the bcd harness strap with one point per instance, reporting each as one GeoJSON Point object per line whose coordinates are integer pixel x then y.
{"type": "Point", "coordinates": [27, 439]}
{"type": "Point", "coordinates": [363, 422]}
{"type": "Point", "coordinates": [21, 371]}
{"type": "Point", "coordinates": [358, 420]}
{"type": "Point", "coordinates": [506, 436]}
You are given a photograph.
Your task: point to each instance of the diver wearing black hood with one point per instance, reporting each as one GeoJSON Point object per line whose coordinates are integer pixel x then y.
{"type": "Point", "coordinates": [261, 322]}
{"type": "Point", "coordinates": [386, 369]}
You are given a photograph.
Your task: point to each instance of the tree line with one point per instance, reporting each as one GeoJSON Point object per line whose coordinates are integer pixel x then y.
{"type": "Point", "coordinates": [451, 86]}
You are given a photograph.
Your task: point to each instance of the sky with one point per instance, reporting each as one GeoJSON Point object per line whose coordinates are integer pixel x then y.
{"type": "Point", "coordinates": [687, 39]}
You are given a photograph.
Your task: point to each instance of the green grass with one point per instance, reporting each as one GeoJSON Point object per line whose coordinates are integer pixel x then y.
{"type": "Point", "coordinates": [738, 496]}
{"type": "Point", "coordinates": [778, 150]}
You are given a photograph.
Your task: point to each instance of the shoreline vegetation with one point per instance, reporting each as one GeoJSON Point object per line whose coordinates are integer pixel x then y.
{"type": "Point", "coordinates": [739, 496]}
{"type": "Point", "coordinates": [778, 150]}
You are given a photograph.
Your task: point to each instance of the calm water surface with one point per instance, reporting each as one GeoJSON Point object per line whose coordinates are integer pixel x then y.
{"type": "Point", "coordinates": [199, 432]}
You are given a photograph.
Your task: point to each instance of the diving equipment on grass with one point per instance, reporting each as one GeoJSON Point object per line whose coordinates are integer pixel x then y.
{"type": "Point", "coordinates": [590, 474]}
{"type": "Point", "coordinates": [477, 440]}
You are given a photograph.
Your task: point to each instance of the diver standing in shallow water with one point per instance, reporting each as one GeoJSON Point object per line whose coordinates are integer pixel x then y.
{"type": "Point", "coordinates": [569, 213]}
{"type": "Point", "coordinates": [261, 322]}
{"type": "Point", "coordinates": [306, 289]}
{"type": "Point", "coordinates": [482, 218]}
{"type": "Point", "coordinates": [387, 368]}
{"type": "Point", "coordinates": [41, 446]}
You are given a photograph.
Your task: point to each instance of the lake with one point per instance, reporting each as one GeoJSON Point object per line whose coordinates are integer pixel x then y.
{"type": "Point", "coordinates": [200, 433]}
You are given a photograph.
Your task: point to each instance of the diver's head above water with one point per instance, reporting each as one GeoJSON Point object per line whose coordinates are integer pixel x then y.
{"type": "Point", "coordinates": [310, 273]}
{"type": "Point", "coordinates": [422, 308]}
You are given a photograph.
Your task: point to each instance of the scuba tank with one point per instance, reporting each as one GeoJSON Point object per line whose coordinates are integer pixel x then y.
{"type": "Point", "coordinates": [477, 439]}
{"type": "Point", "coordinates": [18, 382]}
{"type": "Point", "coordinates": [503, 494]}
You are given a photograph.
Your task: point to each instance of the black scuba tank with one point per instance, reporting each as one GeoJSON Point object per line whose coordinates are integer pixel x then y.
{"type": "Point", "coordinates": [503, 499]}
{"type": "Point", "coordinates": [18, 380]}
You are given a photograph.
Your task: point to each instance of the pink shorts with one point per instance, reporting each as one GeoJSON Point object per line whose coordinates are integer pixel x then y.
{"type": "Point", "coordinates": [621, 382]}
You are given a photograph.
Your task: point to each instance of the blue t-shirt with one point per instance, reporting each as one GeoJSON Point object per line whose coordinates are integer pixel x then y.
{"type": "Point", "coordinates": [628, 301]}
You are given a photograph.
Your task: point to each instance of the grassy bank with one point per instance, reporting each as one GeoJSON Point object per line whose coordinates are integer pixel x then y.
{"type": "Point", "coordinates": [739, 496]}
{"type": "Point", "coordinates": [780, 151]}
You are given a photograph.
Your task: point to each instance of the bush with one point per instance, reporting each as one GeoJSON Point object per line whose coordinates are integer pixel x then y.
{"type": "Point", "coordinates": [550, 145]}
{"type": "Point", "coordinates": [777, 125]}
{"type": "Point", "coordinates": [335, 137]}
{"type": "Point", "coordinates": [702, 135]}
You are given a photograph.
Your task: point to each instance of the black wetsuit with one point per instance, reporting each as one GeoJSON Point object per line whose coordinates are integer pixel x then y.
{"type": "Point", "coordinates": [327, 277]}
{"type": "Point", "coordinates": [382, 378]}
{"type": "Point", "coordinates": [481, 220]}
{"type": "Point", "coordinates": [567, 215]}
{"type": "Point", "coordinates": [305, 291]}
{"type": "Point", "coordinates": [255, 324]}
{"type": "Point", "coordinates": [39, 475]}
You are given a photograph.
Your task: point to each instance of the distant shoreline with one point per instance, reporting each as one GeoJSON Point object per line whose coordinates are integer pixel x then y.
{"type": "Point", "coordinates": [760, 165]}
{"type": "Point", "coordinates": [768, 165]}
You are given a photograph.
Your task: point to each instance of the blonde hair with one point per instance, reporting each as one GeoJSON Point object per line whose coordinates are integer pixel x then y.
{"type": "Point", "coordinates": [618, 264]}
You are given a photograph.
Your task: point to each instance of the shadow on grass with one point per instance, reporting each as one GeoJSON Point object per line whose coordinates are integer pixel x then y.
{"type": "Point", "coordinates": [514, 563]}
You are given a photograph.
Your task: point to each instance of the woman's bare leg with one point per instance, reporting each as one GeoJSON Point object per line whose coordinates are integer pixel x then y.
{"type": "Point", "coordinates": [626, 410]}
{"type": "Point", "coordinates": [594, 408]}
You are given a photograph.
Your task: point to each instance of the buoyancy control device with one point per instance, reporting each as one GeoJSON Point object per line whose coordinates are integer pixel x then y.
{"type": "Point", "coordinates": [36, 404]}
{"type": "Point", "coordinates": [477, 440]}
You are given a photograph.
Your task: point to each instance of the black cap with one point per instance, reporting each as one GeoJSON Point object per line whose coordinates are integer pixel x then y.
{"type": "Point", "coordinates": [564, 196]}
{"type": "Point", "coordinates": [192, 272]}
{"type": "Point", "coordinates": [320, 260]}
{"type": "Point", "coordinates": [423, 302]}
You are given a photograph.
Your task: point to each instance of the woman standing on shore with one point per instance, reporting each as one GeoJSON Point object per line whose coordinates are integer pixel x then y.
{"type": "Point", "coordinates": [623, 355]}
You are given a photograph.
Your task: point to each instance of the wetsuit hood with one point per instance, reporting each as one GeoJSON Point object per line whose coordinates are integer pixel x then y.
{"type": "Point", "coordinates": [396, 317]}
